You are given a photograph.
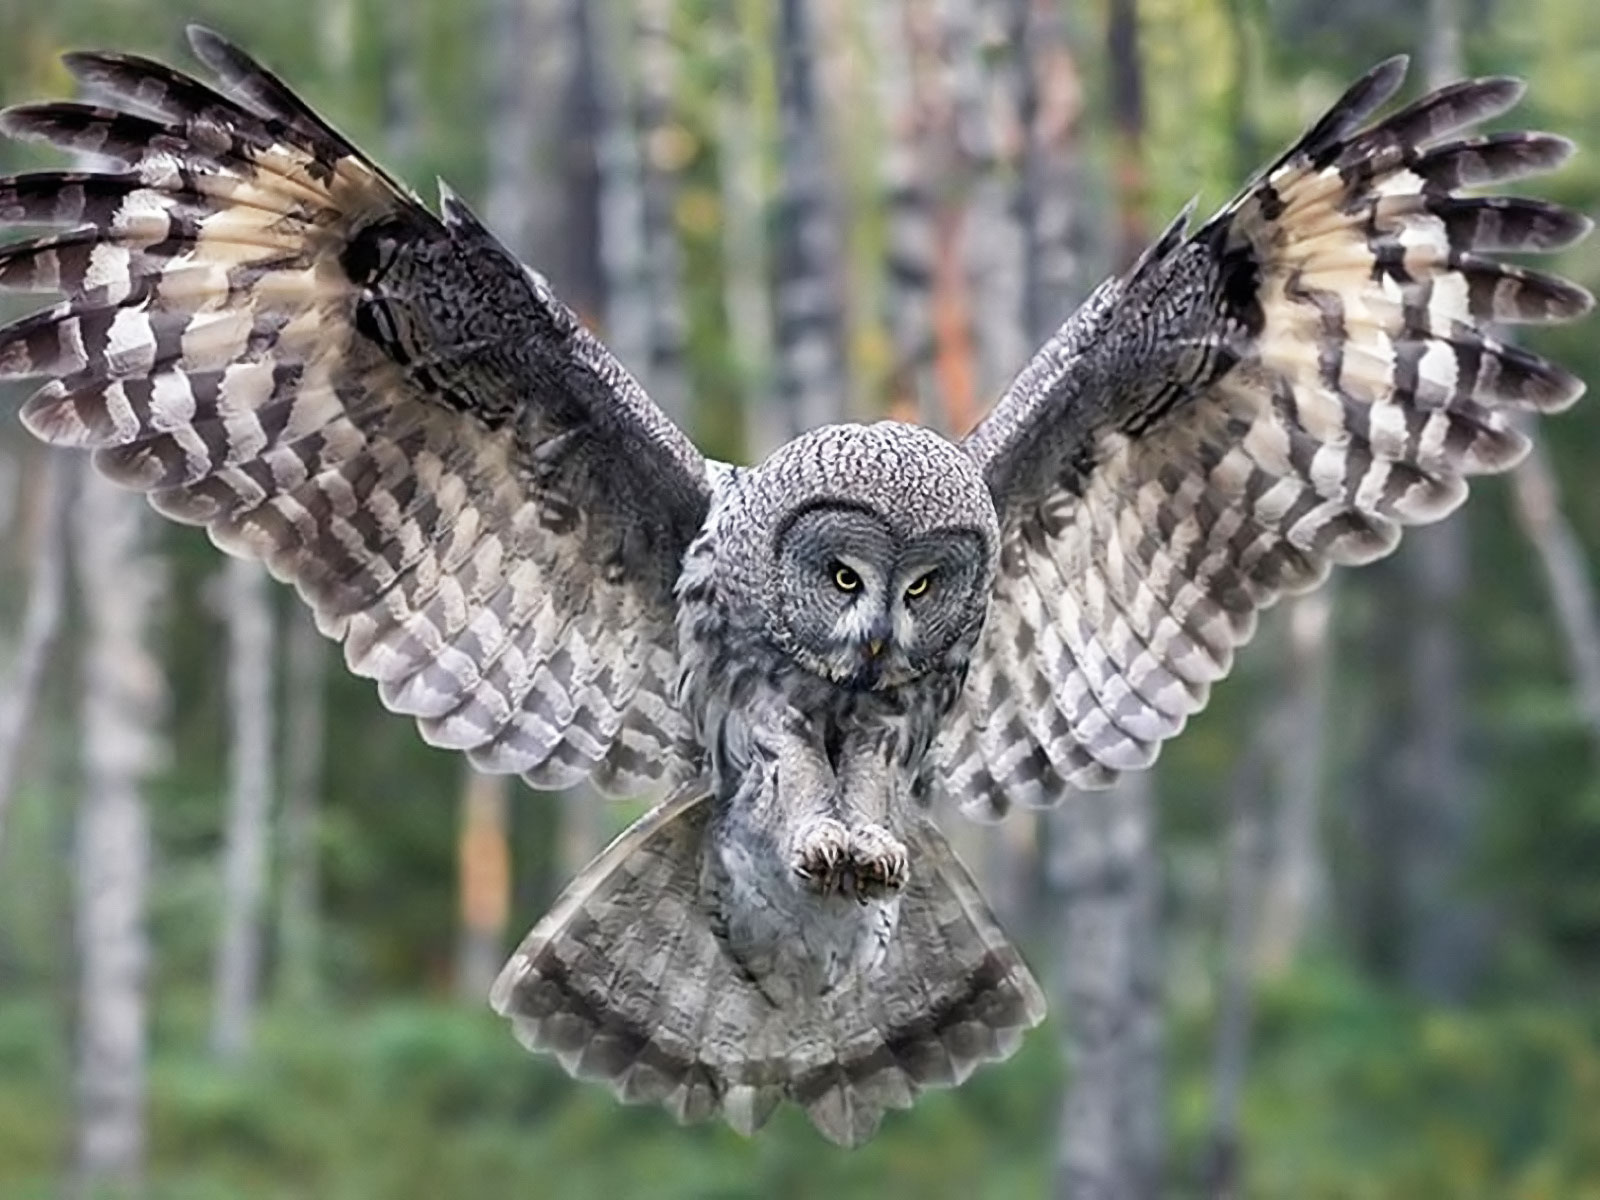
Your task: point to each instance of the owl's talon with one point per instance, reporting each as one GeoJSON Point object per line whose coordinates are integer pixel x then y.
{"type": "Point", "coordinates": [820, 855]}
{"type": "Point", "coordinates": [880, 864]}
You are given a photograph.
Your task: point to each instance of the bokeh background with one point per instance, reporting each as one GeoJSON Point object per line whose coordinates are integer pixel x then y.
{"type": "Point", "coordinates": [1343, 942]}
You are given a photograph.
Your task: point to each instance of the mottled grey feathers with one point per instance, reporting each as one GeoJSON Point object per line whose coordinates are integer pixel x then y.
{"type": "Point", "coordinates": [276, 340]}
{"type": "Point", "coordinates": [625, 982]}
{"type": "Point", "coordinates": [1278, 393]}
{"type": "Point", "coordinates": [273, 339]}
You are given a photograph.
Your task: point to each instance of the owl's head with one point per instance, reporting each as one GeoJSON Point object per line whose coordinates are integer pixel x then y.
{"type": "Point", "coordinates": [882, 543]}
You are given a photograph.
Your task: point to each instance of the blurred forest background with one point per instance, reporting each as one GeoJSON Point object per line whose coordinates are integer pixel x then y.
{"type": "Point", "coordinates": [1344, 940]}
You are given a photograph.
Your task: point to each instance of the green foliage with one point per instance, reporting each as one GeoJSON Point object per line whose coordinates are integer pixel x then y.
{"type": "Point", "coordinates": [1355, 1090]}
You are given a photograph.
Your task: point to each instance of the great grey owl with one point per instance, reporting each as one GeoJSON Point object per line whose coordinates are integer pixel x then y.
{"type": "Point", "coordinates": [275, 339]}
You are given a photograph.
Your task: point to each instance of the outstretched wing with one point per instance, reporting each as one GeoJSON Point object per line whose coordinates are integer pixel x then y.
{"type": "Point", "coordinates": [1277, 393]}
{"type": "Point", "coordinates": [274, 339]}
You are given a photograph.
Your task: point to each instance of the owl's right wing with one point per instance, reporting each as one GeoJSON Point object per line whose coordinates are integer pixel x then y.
{"type": "Point", "coordinates": [274, 339]}
{"type": "Point", "coordinates": [1252, 404]}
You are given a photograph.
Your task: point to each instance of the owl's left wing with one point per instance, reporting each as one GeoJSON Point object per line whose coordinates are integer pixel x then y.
{"type": "Point", "coordinates": [272, 338]}
{"type": "Point", "coordinates": [1250, 405]}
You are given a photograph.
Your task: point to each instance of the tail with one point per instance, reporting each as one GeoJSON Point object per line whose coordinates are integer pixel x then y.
{"type": "Point", "coordinates": [626, 981]}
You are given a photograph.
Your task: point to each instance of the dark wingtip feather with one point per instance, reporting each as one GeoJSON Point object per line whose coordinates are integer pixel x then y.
{"type": "Point", "coordinates": [88, 128]}
{"type": "Point", "coordinates": [36, 121]}
{"type": "Point", "coordinates": [210, 47]}
{"type": "Point", "coordinates": [1512, 223]}
{"type": "Point", "coordinates": [1377, 85]}
{"type": "Point", "coordinates": [1488, 95]}
{"type": "Point", "coordinates": [1495, 158]}
{"type": "Point", "coordinates": [1359, 101]}
{"type": "Point", "coordinates": [111, 73]}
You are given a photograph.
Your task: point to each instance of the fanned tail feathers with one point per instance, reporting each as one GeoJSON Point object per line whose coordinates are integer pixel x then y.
{"type": "Point", "coordinates": [626, 981]}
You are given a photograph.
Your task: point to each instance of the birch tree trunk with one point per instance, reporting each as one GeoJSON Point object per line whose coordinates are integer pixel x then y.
{"type": "Point", "coordinates": [533, 88]}
{"type": "Point", "coordinates": [910, 227]}
{"type": "Point", "coordinates": [1535, 491]}
{"type": "Point", "coordinates": [1109, 875]}
{"type": "Point", "coordinates": [1246, 854]}
{"type": "Point", "coordinates": [528, 50]}
{"type": "Point", "coordinates": [1049, 100]}
{"type": "Point", "coordinates": [607, 62]}
{"type": "Point", "coordinates": [237, 979]}
{"type": "Point", "coordinates": [305, 716]}
{"type": "Point", "coordinates": [1104, 872]}
{"type": "Point", "coordinates": [1294, 884]}
{"type": "Point", "coordinates": [810, 321]}
{"type": "Point", "coordinates": [1448, 931]}
{"type": "Point", "coordinates": [982, 73]}
{"type": "Point", "coordinates": [664, 142]}
{"type": "Point", "coordinates": [1126, 79]}
{"type": "Point", "coordinates": [402, 77]}
{"type": "Point", "coordinates": [744, 142]}
{"type": "Point", "coordinates": [41, 620]}
{"type": "Point", "coordinates": [120, 581]}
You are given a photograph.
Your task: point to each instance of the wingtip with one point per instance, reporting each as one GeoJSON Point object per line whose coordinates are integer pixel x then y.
{"type": "Point", "coordinates": [1395, 65]}
{"type": "Point", "coordinates": [1510, 88]}
{"type": "Point", "coordinates": [211, 48]}
{"type": "Point", "coordinates": [200, 37]}
{"type": "Point", "coordinates": [1384, 79]}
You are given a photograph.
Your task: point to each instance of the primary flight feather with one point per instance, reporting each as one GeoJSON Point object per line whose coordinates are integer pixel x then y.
{"type": "Point", "coordinates": [273, 338]}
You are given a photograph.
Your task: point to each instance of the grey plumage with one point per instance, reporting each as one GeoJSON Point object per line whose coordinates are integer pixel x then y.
{"type": "Point", "coordinates": [275, 340]}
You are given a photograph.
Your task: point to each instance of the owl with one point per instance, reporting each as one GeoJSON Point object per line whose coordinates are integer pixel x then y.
{"type": "Point", "coordinates": [274, 339]}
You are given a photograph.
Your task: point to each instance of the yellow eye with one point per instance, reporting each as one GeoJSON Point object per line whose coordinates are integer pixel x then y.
{"type": "Point", "coordinates": [845, 579]}
{"type": "Point", "coordinates": [919, 585]}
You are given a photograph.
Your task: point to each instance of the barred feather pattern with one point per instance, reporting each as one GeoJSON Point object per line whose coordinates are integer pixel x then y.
{"type": "Point", "coordinates": [1278, 393]}
{"type": "Point", "coordinates": [275, 340]}
{"type": "Point", "coordinates": [626, 981]}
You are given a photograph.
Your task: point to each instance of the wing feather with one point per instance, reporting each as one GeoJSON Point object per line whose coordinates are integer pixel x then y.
{"type": "Point", "coordinates": [1280, 392]}
{"type": "Point", "coordinates": [274, 339]}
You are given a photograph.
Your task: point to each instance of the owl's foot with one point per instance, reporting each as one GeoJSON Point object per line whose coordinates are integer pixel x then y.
{"type": "Point", "coordinates": [821, 855]}
{"type": "Point", "coordinates": [879, 864]}
{"type": "Point", "coordinates": [867, 862]}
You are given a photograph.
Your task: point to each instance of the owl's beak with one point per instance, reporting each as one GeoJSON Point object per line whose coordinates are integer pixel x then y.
{"type": "Point", "coordinates": [874, 647]}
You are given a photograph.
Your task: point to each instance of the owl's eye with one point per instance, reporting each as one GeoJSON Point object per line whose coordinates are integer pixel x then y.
{"type": "Point", "coordinates": [844, 578]}
{"type": "Point", "coordinates": [919, 586]}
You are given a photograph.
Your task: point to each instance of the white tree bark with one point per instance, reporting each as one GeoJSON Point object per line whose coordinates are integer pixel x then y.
{"type": "Point", "coordinates": [1246, 862]}
{"type": "Point", "coordinates": [628, 318]}
{"type": "Point", "coordinates": [1536, 492]}
{"type": "Point", "coordinates": [1295, 884]}
{"type": "Point", "coordinates": [1112, 1120]}
{"type": "Point", "coordinates": [305, 715]}
{"type": "Point", "coordinates": [247, 837]}
{"type": "Point", "coordinates": [743, 152]}
{"type": "Point", "coordinates": [984, 79]}
{"type": "Point", "coordinates": [1105, 871]}
{"type": "Point", "coordinates": [662, 139]}
{"type": "Point", "coordinates": [1448, 938]}
{"type": "Point", "coordinates": [529, 50]}
{"type": "Point", "coordinates": [1051, 203]}
{"type": "Point", "coordinates": [910, 233]}
{"type": "Point", "coordinates": [120, 581]}
{"type": "Point", "coordinates": [41, 619]}
{"type": "Point", "coordinates": [810, 320]}
{"type": "Point", "coordinates": [402, 77]}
